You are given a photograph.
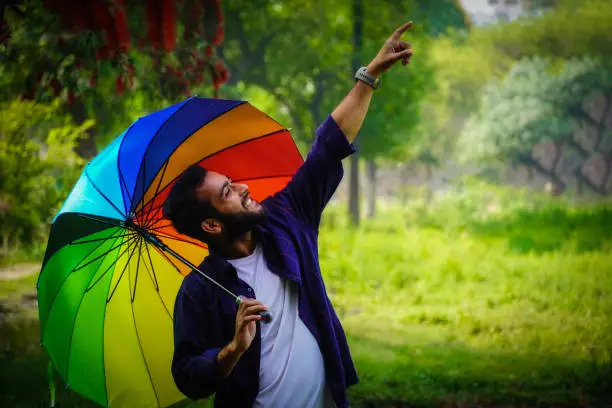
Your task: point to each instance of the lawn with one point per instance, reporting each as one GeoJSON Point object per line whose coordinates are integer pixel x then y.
{"type": "Point", "coordinates": [444, 305]}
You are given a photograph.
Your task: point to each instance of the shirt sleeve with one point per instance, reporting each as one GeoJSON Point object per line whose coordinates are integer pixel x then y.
{"type": "Point", "coordinates": [194, 365]}
{"type": "Point", "coordinates": [317, 179]}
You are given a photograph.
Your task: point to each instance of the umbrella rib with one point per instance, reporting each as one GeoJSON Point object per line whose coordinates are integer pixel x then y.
{"type": "Point", "coordinates": [101, 193]}
{"type": "Point", "coordinates": [142, 172]}
{"type": "Point", "coordinates": [123, 183]}
{"type": "Point", "coordinates": [149, 216]}
{"type": "Point", "coordinates": [74, 324]}
{"type": "Point", "coordinates": [77, 242]}
{"type": "Point", "coordinates": [159, 227]}
{"type": "Point", "coordinates": [227, 148]}
{"type": "Point", "coordinates": [62, 284]}
{"type": "Point", "coordinates": [151, 211]}
{"type": "Point", "coordinates": [77, 266]}
{"type": "Point", "coordinates": [152, 271]}
{"type": "Point", "coordinates": [193, 268]}
{"type": "Point", "coordinates": [98, 219]}
{"type": "Point", "coordinates": [144, 359]}
{"type": "Point", "coordinates": [154, 277]}
{"type": "Point", "coordinates": [137, 270]}
{"type": "Point", "coordinates": [131, 245]}
{"type": "Point", "coordinates": [96, 258]}
{"type": "Point", "coordinates": [128, 241]}
{"type": "Point", "coordinates": [161, 251]}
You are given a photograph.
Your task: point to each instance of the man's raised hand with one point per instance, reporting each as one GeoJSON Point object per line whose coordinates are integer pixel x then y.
{"type": "Point", "coordinates": [393, 50]}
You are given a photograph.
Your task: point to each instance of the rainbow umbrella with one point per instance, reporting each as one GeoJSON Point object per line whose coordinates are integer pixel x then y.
{"type": "Point", "coordinates": [113, 264]}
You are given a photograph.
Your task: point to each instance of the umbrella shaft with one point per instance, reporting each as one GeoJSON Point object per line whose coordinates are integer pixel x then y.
{"type": "Point", "coordinates": [157, 242]}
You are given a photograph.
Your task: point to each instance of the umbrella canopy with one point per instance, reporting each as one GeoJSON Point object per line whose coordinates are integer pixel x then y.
{"type": "Point", "coordinates": [106, 293]}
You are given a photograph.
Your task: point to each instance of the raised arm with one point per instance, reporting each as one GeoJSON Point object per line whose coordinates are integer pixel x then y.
{"type": "Point", "coordinates": [316, 181]}
{"type": "Point", "coordinates": [351, 112]}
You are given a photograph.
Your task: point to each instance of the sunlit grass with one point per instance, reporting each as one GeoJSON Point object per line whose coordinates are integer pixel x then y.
{"type": "Point", "coordinates": [456, 312]}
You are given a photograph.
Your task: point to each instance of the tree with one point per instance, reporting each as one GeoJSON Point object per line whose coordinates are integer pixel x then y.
{"type": "Point", "coordinates": [61, 48]}
{"type": "Point", "coordinates": [38, 167]}
{"type": "Point", "coordinates": [465, 63]}
{"type": "Point", "coordinates": [535, 105]}
{"type": "Point", "coordinates": [572, 28]}
{"type": "Point", "coordinates": [309, 71]}
{"type": "Point", "coordinates": [391, 132]}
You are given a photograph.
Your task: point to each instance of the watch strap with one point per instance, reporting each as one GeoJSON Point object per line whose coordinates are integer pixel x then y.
{"type": "Point", "coordinates": [363, 75]}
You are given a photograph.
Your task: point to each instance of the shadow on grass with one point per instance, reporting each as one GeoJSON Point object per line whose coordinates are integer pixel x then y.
{"type": "Point", "coordinates": [23, 367]}
{"type": "Point", "coordinates": [443, 375]}
{"type": "Point", "coordinates": [550, 229]}
{"type": "Point", "coordinates": [451, 375]}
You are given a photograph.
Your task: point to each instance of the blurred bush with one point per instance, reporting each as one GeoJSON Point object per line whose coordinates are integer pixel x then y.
{"type": "Point", "coordinates": [526, 219]}
{"type": "Point", "coordinates": [38, 166]}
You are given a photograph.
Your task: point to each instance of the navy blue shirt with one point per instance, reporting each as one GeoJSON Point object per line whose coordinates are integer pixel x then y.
{"type": "Point", "coordinates": [204, 316]}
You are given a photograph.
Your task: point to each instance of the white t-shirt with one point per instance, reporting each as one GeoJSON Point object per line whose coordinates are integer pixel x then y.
{"type": "Point", "coordinates": [292, 373]}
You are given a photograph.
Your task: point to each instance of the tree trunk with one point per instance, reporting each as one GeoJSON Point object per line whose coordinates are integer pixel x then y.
{"type": "Point", "coordinates": [354, 176]}
{"type": "Point", "coordinates": [86, 148]}
{"type": "Point", "coordinates": [371, 171]}
{"type": "Point", "coordinates": [428, 173]}
{"type": "Point", "coordinates": [529, 173]}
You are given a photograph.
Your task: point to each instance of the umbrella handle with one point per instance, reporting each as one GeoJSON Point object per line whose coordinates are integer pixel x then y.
{"type": "Point", "coordinates": [266, 316]}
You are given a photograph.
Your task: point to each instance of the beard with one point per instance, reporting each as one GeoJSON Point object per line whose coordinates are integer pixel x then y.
{"type": "Point", "coordinates": [237, 225]}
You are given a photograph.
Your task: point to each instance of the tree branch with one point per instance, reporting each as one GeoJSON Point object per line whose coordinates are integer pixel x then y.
{"type": "Point", "coordinates": [606, 178]}
{"type": "Point", "coordinates": [528, 160]}
{"type": "Point", "coordinates": [317, 98]}
{"type": "Point", "coordinates": [584, 153]}
{"type": "Point", "coordinates": [601, 130]}
{"type": "Point", "coordinates": [584, 179]}
{"type": "Point", "coordinates": [579, 113]}
{"type": "Point", "coordinates": [559, 153]}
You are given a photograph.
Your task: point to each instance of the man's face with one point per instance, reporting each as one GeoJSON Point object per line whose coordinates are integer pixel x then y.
{"type": "Point", "coordinates": [239, 213]}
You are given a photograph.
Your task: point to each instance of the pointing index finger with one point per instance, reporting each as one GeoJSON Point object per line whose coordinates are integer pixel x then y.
{"type": "Point", "coordinates": [398, 33]}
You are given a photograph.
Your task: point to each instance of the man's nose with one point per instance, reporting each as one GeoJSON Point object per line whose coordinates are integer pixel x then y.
{"type": "Point", "coordinates": [241, 188]}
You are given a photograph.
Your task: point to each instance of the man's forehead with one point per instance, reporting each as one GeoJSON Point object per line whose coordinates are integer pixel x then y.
{"type": "Point", "coordinates": [211, 183]}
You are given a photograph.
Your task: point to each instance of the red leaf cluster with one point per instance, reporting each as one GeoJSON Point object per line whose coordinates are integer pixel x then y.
{"type": "Point", "coordinates": [110, 19]}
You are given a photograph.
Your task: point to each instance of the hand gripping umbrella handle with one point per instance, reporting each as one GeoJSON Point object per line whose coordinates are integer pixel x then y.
{"type": "Point", "coordinates": [267, 317]}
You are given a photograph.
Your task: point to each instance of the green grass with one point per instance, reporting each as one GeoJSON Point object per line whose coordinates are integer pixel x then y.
{"type": "Point", "coordinates": [444, 304]}
{"type": "Point", "coordinates": [460, 312]}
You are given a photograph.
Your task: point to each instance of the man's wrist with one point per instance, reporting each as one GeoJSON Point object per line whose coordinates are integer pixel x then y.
{"type": "Point", "coordinates": [227, 359]}
{"type": "Point", "coordinates": [232, 349]}
{"type": "Point", "coordinates": [372, 71]}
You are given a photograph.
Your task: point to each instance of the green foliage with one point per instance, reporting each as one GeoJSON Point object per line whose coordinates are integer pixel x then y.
{"type": "Point", "coordinates": [38, 168]}
{"type": "Point", "coordinates": [308, 72]}
{"type": "Point", "coordinates": [573, 28]}
{"type": "Point", "coordinates": [533, 104]}
{"type": "Point", "coordinates": [465, 64]}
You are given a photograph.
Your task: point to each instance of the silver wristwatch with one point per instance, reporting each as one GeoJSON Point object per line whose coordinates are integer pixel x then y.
{"type": "Point", "coordinates": [362, 75]}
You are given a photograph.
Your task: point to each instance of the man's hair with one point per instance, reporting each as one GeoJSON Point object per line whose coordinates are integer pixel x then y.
{"type": "Point", "coordinates": [183, 207]}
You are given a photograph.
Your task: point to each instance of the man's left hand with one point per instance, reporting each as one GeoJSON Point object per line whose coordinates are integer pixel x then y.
{"type": "Point", "coordinates": [392, 51]}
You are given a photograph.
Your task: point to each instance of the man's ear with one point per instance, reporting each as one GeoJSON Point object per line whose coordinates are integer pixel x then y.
{"type": "Point", "coordinates": [212, 226]}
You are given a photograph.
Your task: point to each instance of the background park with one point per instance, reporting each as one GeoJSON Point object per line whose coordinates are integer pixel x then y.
{"type": "Point", "coordinates": [468, 249]}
